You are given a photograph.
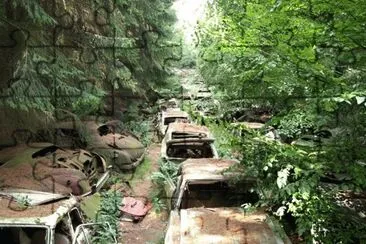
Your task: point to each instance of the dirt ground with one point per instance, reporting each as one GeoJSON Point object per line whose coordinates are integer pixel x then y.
{"type": "Point", "coordinates": [152, 228]}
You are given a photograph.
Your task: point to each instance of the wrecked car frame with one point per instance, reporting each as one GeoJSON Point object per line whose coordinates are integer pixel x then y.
{"type": "Point", "coordinates": [202, 211]}
{"type": "Point", "coordinates": [185, 140]}
{"type": "Point", "coordinates": [28, 216]}
{"type": "Point", "coordinates": [56, 222]}
{"type": "Point", "coordinates": [170, 116]}
{"type": "Point", "coordinates": [49, 168]}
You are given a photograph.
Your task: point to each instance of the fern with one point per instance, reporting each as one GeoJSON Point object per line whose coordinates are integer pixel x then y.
{"type": "Point", "coordinates": [168, 171]}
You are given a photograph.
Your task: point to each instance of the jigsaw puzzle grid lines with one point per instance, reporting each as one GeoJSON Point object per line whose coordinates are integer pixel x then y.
{"type": "Point", "coordinates": [114, 45]}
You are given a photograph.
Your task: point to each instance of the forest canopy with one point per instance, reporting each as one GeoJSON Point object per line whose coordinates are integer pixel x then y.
{"type": "Point", "coordinates": [62, 54]}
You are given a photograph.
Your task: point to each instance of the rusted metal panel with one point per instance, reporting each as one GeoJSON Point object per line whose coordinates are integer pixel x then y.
{"type": "Point", "coordinates": [33, 198]}
{"type": "Point", "coordinates": [188, 128]}
{"type": "Point", "coordinates": [46, 214]}
{"type": "Point", "coordinates": [206, 166]}
{"type": "Point", "coordinates": [175, 113]}
{"type": "Point", "coordinates": [225, 225]}
{"type": "Point", "coordinates": [134, 208]}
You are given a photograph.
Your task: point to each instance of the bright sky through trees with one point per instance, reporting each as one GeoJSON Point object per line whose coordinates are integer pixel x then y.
{"type": "Point", "coordinates": [188, 13]}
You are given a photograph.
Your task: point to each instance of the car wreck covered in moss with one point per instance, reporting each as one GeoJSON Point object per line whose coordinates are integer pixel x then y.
{"type": "Point", "coordinates": [121, 149]}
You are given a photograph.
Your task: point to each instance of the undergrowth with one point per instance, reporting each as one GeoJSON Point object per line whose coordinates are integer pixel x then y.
{"type": "Point", "coordinates": [167, 174]}
{"type": "Point", "coordinates": [167, 171]}
{"type": "Point", "coordinates": [108, 217]}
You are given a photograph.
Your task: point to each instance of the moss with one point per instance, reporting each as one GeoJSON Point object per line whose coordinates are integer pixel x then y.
{"type": "Point", "coordinates": [91, 205]}
{"type": "Point", "coordinates": [142, 170]}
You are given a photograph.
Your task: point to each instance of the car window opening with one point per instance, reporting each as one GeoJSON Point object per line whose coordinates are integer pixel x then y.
{"type": "Point", "coordinates": [62, 233]}
{"type": "Point", "coordinates": [218, 194]}
{"type": "Point", "coordinates": [19, 235]}
{"type": "Point", "coordinates": [104, 130]}
{"type": "Point", "coordinates": [75, 218]}
{"type": "Point", "coordinates": [202, 150]}
{"type": "Point", "coordinates": [179, 135]}
{"type": "Point", "coordinates": [167, 121]}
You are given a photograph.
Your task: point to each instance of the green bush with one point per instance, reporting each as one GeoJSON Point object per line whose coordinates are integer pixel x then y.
{"type": "Point", "coordinates": [290, 183]}
{"type": "Point", "coordinates": [167, 171]}
{"type": "Point", "coordinates": [141, 128]}
{"type": "Point", "coordinates": [108, 216]}
{"type": "Point", "coordinates": [295, 123]}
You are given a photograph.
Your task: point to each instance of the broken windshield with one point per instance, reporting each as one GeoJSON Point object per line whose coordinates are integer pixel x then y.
{"type": "Point", "coordinates": [179, 135]}
{"type": "Point", "coordinates": [169, 120]}
{"type": "Point", "coordinates": [190, 150]}
{"type": "Point", "coordinates": [218, 194]}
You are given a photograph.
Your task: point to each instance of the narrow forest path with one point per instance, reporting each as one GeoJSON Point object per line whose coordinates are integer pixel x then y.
{"type": "Point", "coordinates": [152, 228]}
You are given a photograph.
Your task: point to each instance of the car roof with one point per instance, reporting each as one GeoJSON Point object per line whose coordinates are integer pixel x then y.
{"type": "Point", "coordinates": [174, 113]}
{"type": "Point", "coordinates": [11, 213]}
{"type": "Point", "coordinates": [204, 225]}
{"type": "Point", "coordinates": [183, 127]}
{"type": "Point", "coordinates": [205, 168]}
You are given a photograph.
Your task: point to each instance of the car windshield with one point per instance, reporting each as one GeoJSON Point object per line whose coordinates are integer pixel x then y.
{"type": "Point", "coordinates": [218, 194]}
{"type": "Point", "coordinates": [190, 150]}
{"type": "Point", "coordinates": [169, 120]}
{"type": "Point", "coordinates": [20, 235]}
{"type": "Point", "coordinates": [179, 135]}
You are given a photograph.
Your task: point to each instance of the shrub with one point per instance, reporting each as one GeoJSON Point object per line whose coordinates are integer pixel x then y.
{"type": "Point", "coordinates": [108, 216]}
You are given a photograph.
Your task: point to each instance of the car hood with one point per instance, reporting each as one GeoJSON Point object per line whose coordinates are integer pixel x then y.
{"type": "Point", "coordinates": [33, 198]}
{"type": "Point", "coordinates": [225, 225]}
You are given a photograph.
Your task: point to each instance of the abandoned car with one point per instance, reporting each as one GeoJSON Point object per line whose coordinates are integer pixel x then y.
{"type": "Point", "coordinates": [53, 222]}
{"type": "Point", "coordinates": [166, 104]}
{"type": "Point", "coordinates": [121, 149]}
{"type": "Point", "coordinates": [203, 93]}
{"type": "Point", "coordinates": [170, 116]}
{"type": "Point", "coordinates": [207, 207]}
{"type": "Point", "coordinates": [49, 168]}
{"type": "Point", "coordinates": [186, 140]}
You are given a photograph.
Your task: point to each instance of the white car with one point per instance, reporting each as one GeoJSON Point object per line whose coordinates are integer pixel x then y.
{"type": "Point", "coordinates": [43, 218]}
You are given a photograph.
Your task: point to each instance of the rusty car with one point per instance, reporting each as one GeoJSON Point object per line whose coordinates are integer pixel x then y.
{"type": "Point", "coordinates": [207, 206]}
{"type": "Point", "coordinates": [54, 221]}
{"type": "Point", "coordinates": [49, 168]}
{"type": "Point", "coordinates": [186, 140]}
{"type": "Point", "coordinates": [166, 104]}
{"type": "Point", "coordinates": [121, 149]}
{"type": "Point", "coordinates": [169, 116]}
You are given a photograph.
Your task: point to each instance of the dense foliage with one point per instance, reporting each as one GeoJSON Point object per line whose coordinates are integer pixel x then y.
{"type": "Point", "coordinates": [304, 62]}
{"type": "Point", "coordinates": [108, 228]}
{"type": "Point", "coordinates": [71, 54]}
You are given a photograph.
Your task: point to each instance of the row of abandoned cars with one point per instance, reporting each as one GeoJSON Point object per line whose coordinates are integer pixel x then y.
{"type": "Point", "coordinates": [207, 204]}
{"type": "Point", "coordinates": [42, 184]}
